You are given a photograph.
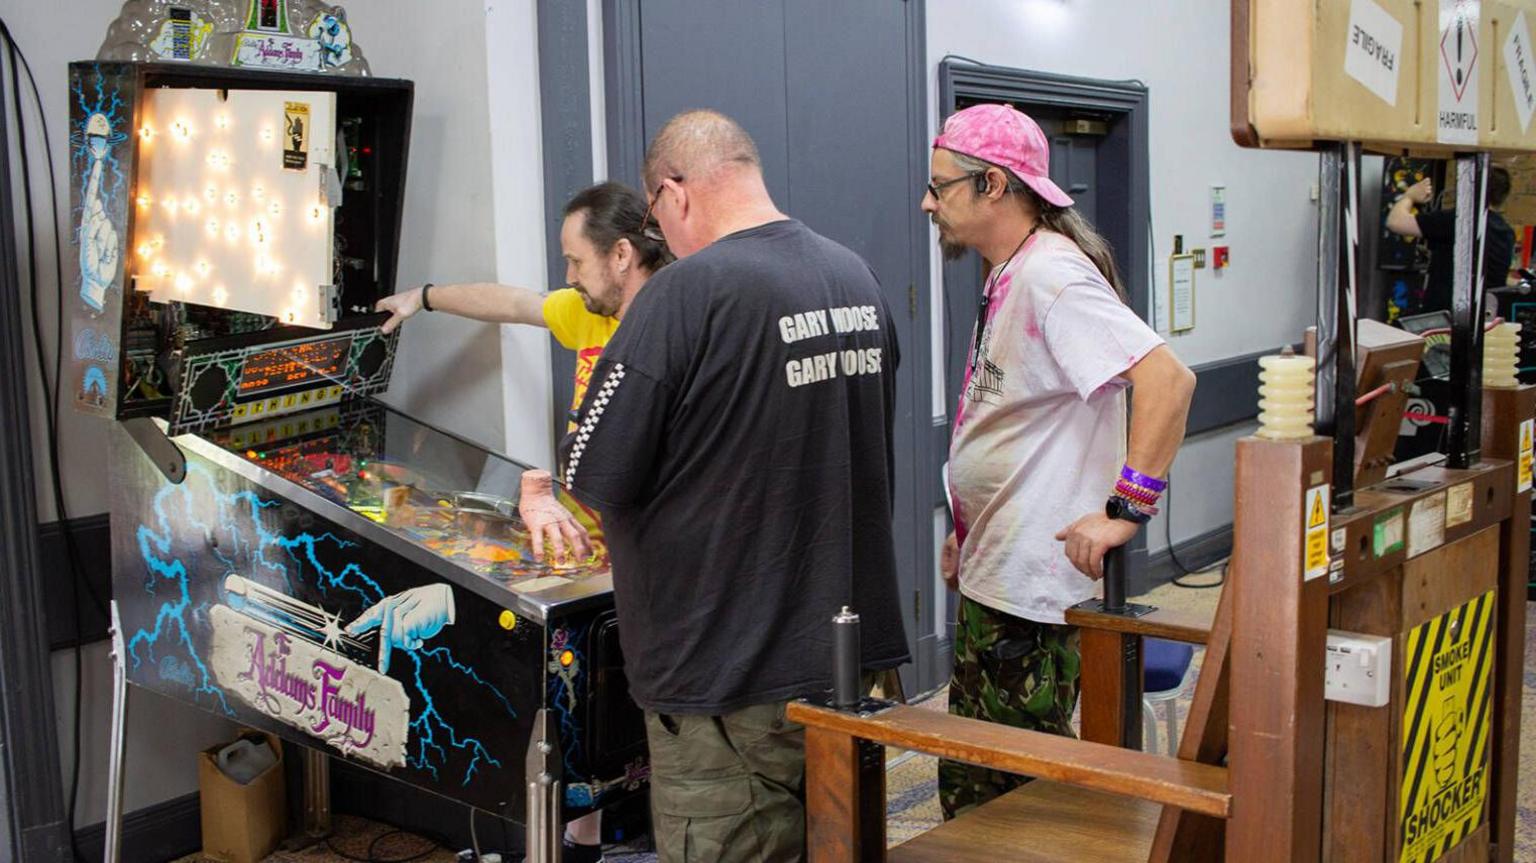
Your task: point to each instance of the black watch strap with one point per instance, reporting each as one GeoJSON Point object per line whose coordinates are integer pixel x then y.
{"type": "Point", "coordinates": [1119, 508]}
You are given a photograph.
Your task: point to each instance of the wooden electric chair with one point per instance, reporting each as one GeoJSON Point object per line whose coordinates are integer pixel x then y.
{"type": "Point", "coordinates": [1430, 559]}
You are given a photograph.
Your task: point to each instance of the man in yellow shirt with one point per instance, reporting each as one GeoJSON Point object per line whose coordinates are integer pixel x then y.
{"type": "Point", "coordinates": [609, 255]}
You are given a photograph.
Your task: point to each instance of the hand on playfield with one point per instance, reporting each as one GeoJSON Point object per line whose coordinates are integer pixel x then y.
{"type": "Point", "coordinates": [550, 522]}
{"type": "Point", "coordinates": [1421, 191]}
{"type": "Point", "coordinates": [1090, 537]}
{"type": "Point", "coordinates": [400, 307]}
{"type": "Point", "coordinates": [949, 562]}
{"type": "Point", "coordinates": [407, 619]}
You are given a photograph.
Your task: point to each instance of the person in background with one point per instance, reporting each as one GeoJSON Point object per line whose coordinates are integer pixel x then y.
{"type": "Point", "coordinates": [1438, 230]}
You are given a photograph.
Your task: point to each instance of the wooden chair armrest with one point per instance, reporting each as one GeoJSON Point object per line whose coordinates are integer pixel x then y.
{"type": "Point", "coordinates": [1188, 785]}
{"type": "Point", "coordinates": [1163, 623]}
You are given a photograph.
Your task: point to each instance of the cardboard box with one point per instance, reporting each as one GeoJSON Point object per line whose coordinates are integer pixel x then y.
{"type": "Point", "coordinates": [242, 823]}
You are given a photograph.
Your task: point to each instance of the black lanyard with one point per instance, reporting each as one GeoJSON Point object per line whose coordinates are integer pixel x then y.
{"type": "Point", "coordinates": [986, 301]}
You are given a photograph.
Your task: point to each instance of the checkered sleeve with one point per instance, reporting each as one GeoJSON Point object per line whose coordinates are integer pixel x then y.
{"type": "Point", "coordinates": [610, 458]}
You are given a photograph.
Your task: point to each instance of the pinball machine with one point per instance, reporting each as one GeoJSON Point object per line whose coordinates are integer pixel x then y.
{"type": "Point", "coordinates": [288, 551]}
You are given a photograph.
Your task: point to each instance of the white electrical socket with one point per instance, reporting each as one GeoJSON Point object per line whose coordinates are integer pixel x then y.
{"type": "Point", "coordinates": [1359, 669]}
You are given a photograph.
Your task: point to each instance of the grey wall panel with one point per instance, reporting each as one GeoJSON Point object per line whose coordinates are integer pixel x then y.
{"type": "Point", "coordinates": [725, 56]}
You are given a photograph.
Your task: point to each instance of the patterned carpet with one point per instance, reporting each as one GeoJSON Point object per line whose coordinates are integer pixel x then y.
{"type": "Point", "coordinates": [911, 787]}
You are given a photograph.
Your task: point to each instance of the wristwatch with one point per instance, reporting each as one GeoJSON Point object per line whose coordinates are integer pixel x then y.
{"type": "Point", "coordinates": [1120, 508]}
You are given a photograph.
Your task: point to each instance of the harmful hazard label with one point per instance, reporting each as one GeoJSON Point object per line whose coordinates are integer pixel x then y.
{"type": "Point", "coordinates": [1456, 119]}
{"type": "Point", "coordinates": [1316, 532]}
{"type": "Point", "coordinates": [1446, 689]}
{"type": "Point", "coordinates": [1527, 428]}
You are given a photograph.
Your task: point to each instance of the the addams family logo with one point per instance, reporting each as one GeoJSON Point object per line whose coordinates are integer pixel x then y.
{"type": "Point", "coordinates": [306, 673]}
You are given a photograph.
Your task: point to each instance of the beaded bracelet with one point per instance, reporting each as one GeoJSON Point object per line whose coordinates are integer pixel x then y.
{"type": "Point", "coordinates": [1135, 493]}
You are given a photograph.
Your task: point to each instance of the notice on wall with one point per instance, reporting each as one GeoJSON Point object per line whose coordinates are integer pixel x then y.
{"type": "Point", "coordinates": [1373, 49]}
{"type": "Point", "coordinates": [1181, 293]}
{"type": "Point", "coordinates": [1445, 729]}
{"type": "Point", "coordinates": [1456, 119]}
{"type": "Point", "coordinates": [1522, 74]}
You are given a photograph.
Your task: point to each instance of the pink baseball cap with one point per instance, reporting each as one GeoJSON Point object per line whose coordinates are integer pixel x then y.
{"type": "Point", "coordinates": [1007, 137]}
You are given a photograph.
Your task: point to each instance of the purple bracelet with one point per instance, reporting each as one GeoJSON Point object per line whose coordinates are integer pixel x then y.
{"type": "Point", "coordinates": [1141, 479]}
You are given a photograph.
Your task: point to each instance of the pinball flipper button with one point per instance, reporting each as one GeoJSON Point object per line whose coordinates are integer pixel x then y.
{"type": "Point", "coordinates": [507, 620]}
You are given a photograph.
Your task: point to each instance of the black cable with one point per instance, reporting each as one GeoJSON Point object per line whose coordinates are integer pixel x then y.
{"type": "Point", "coordinates": [51, 394]}
{"type": "Point", "coordinates": [433, 845]}
{"type": "Point", "coordinates": [1184, 571]}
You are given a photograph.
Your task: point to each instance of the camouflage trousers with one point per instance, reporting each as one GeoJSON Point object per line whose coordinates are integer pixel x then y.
{"type": "Point", "coordinates": [1010, 671]}
{"type": "Point", "coordinates": [727, 789]}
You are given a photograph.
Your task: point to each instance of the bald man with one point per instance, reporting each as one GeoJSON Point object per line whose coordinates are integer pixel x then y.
{"type": "Point", "coordinates": [737, 438]}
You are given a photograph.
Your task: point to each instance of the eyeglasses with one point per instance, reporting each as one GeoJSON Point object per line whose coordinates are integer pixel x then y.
{"type": "Point", "coordinates": [648, 231]}
{"type": "Point", "coordinates": [935, 188]}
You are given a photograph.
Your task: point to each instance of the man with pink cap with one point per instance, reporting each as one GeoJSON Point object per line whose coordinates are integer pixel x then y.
{"type": "Point", "coordinates": [1040, 439]}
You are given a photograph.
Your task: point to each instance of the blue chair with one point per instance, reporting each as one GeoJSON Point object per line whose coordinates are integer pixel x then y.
{"type": "Point", "coordinates": [1164, 674]}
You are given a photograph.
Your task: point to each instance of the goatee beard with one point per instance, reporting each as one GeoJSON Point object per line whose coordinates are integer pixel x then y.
{"type": "Point", "coordinates": [952, 251]}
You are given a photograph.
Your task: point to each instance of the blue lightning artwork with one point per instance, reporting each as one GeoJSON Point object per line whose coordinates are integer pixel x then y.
{"type": "Point", "coordinates": [198, 526]}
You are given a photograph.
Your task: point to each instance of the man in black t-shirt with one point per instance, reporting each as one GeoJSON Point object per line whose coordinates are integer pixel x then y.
{"type": "Point", "coordinates": [1438, 229]}
{"type": "Point", "coordinates": [737, 437]}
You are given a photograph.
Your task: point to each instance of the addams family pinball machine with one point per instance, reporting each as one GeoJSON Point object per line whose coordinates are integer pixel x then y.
{"type": "Point", "coordinates": [288, 551]}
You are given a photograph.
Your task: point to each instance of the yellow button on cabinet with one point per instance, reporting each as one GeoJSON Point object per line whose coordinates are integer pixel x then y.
{"type": "Point", "coordinates": [566, 658]}
{"type": "Point", "coordinates": [240, 411]}
{"type": "Point", "coordinates": [508, 620]}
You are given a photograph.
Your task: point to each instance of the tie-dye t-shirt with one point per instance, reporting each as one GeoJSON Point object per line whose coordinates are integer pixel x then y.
{"type": "Point", "coordinates": [1039, 436]}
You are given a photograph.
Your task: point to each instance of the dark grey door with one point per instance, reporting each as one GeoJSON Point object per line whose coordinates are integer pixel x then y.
{"type": "Point", "coordinates": [833, 93]}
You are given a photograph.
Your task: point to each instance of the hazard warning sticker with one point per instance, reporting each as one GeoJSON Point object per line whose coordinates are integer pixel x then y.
{"type": "Point", "coordinates": [1527, 428]}
{"type": "Point", "coordinates": [1457, 66]}
{"type": "Point", "coordinates": [1445, 729]}
{"type": "Point", "coordinates": [1316, 526]}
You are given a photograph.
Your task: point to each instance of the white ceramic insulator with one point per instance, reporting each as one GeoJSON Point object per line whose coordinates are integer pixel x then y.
{"type": "Point", "coordinates": [1285, 397]}
{"type": "Point", "coordinates": [1501, 356]}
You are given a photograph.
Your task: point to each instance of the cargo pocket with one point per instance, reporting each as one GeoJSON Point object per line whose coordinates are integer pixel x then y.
{"type": "Point", "coordinates": [696, 820]}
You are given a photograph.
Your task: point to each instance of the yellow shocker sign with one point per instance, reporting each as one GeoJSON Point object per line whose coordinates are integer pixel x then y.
{"type": "Point", "coordinates": [1445, 729]}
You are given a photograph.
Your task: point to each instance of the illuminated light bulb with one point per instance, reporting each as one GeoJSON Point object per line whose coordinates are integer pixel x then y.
{"type": "Point", "coordinates": [183, 283]}
{"type": "Point", "coordinates": [220, 296]}
{"type": "Point", "coordinates": [232, 232]}
{"type": "Point", "coordinates": [190, 205]}
{"type": "Point", "coordinates": [275, 209]}
{"type": "Point", "coordinates": [257, 192]}
{"type": "Point", "coordinates": [266, 135]}
{"type": "Point", "coordinates": [145, 250]}
{"type": "Point", "coordinates": [171, 206]}
{"type": "Point", "coordinates": [143, 201]}
{"type": "Point", "coordinates": [158, 242]}
{"type": "Point", "coordinates": [213, 227]}
{"type": "Point", "coordinates": [221, 121]}
{"type": "Point", "coordinates": [232, 199]}
{"type": "Point", "coordinates": [211, 194]}
{"type": "Point", "coordinates": [316, 214]}
{"type": "Point", "coordinates": [145, 133]}
{"type": "Point", "coordinates": [202, 268]}
{"type": "Point", "coordinates": [160, 270]}
{"type": "Point", "coordinates": [298, 290]}
{"type": "Point", "coordinates": [181, 130]}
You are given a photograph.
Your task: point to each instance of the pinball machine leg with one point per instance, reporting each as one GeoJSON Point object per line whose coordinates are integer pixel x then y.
{"type": "Point", "coordinates": [114, 822]}
{"type": "Point", "coordinates": [543, 769]}
{"type": "Point", "coordinates": [317, 794]}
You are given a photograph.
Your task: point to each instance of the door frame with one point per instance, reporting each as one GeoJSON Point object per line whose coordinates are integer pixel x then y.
{"type": "Point", "coordinates": [1123, 217]}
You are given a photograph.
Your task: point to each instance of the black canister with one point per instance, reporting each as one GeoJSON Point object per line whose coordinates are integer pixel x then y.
{"type": "Point", "coordinates": [845, 659]}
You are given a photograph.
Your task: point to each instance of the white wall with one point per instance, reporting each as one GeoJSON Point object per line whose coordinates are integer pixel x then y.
{"type": "Point", "coordinates": [1179, 49]}
{"type": "Point", "coordinates": [473, 211]}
